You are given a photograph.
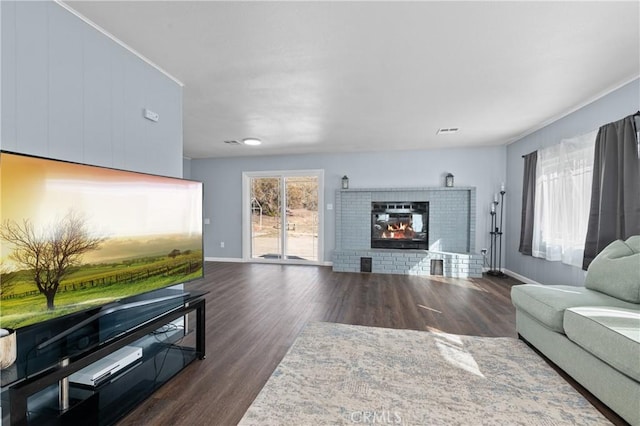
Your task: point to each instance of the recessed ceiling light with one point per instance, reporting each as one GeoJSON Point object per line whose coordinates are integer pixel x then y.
{"type": "Point", "coordinates": [447, 130]}
{"type": "Point", "coordinates": [251, 141]}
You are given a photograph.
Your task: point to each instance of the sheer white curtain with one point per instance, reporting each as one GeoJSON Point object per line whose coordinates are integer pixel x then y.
{"type": "Point", "coordinates": [563, 194]}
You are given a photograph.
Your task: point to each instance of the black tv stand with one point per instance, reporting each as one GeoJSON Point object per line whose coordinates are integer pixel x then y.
{"type": "Point", "coordinates": [166, 351]}
{"type": "Point", "coordinates": [107, 310]}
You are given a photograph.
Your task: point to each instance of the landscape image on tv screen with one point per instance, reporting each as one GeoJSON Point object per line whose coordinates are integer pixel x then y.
{"type": "Point", "coordinates": [73, 236]}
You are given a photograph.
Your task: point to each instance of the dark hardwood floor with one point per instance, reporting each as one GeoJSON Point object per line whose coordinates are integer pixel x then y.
{"type": "Point", "coordinates": [255, 311]}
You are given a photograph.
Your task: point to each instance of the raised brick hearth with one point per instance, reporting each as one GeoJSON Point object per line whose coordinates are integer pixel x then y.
{"type": "Point", "coordinates": [451, 232]}
{"type": "Point", "coordinates": [409, 262]}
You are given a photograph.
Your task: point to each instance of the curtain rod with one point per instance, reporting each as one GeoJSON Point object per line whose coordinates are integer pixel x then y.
{"type": "Point", "coordinates": [637, 114]}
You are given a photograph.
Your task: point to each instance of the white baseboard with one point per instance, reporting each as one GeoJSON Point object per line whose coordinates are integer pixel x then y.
{"type": "Point", "coordinates": [224, 259]}
{"type": "Point", "coordinates": [484, 269]}
{"type": "Point", "coordinates": [239, 260]}
{"type": "Point", "coordinates": [520, 277]}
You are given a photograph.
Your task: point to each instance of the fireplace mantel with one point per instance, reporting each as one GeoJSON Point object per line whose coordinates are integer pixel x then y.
{"type": "Point", "coordinates": [410, 189]}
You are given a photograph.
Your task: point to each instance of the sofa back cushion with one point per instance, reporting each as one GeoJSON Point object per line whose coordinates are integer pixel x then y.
{"type": "Point", "coordinates": [616, 270]}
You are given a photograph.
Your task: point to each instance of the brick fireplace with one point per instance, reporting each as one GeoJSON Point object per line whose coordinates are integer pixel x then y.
{"type": "Point", "coordinates": [451, 232]}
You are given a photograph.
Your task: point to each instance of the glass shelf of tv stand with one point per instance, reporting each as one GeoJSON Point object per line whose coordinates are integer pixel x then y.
{"type": "Point", "coordinates": [129, 319]}
{"type": "Point", "coordinates": [164, 355]}
{"type": "Point", "coordinates": [98, 329]}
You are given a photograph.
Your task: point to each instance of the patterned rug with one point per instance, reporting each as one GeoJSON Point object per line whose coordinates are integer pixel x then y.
{"type": "Point", "coordinates": [344, 374]}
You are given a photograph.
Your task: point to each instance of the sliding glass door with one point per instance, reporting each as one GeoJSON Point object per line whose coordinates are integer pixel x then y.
{"type": "Point", "coordinates": [282, 217]}
{"type": "Point", "coordinates": [266, 217]}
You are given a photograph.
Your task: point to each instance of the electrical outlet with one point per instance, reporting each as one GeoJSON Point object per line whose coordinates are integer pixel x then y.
{"type": "Point", "coordinates": [150, 115]}
{"type": "Point", "coordinates": [221, 244]}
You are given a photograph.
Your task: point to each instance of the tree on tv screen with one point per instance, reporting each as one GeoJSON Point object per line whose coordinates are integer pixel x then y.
{"type": "Point", "coordinates": [49, 255]}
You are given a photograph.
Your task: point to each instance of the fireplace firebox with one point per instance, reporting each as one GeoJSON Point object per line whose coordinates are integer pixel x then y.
{"type": "Point", "coordinates": [400, 225]}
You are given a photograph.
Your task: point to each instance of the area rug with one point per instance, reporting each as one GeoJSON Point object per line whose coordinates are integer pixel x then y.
{"type": "Point", "coordinates": [344, 374]}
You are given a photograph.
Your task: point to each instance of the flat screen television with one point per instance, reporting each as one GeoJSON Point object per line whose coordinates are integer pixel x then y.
{"type": "Point", "coordinates": [74, 237]}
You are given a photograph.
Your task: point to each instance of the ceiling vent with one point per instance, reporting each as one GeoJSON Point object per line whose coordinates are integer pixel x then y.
{"type": "Point", "coordinates": [447, 130]}
{"type": "Point", "coordinates": [232, 142]}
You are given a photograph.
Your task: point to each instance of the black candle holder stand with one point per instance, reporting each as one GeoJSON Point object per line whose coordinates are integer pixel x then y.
{"type": "Point", "coordinates": [496, 240]}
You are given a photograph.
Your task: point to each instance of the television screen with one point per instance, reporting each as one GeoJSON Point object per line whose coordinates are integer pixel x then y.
{"type": "Point", "coordinates": [74, 236]}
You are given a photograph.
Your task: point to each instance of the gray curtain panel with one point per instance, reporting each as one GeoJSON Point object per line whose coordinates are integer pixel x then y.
{"type": "Point", "coordinates": [615, 194]}
{"type": "Point", "coordinates": [528, 201]}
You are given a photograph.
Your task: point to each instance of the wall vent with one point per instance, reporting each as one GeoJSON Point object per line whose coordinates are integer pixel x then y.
{"type": "Point", "coordinates": [366, 264]}
{"type": "Point", "coordinates": [447, 130]}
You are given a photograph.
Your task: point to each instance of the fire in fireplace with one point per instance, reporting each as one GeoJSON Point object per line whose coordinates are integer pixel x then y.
{"type": "Point", "coordinates": [400, 225]}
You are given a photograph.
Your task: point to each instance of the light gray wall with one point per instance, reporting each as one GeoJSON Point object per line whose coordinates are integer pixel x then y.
{"type": "Point", "coordinates": [612, 107]}
{"type": "Point", "coordinates": [70, 92]}
{"type": "Point", "coordinates": [186, 168]}
{"type": "Point", "coordinates": [483, 168]}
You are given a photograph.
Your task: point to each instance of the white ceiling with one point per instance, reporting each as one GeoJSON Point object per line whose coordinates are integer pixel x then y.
{"type": "Point", "coordinates": [319, 76]}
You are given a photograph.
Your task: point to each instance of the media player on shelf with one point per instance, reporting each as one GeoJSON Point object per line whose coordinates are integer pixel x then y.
{"type": "Point", "coordinates": [96, 373]}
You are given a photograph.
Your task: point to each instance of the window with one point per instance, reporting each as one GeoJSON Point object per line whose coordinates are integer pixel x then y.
{"type": "Point", "coordinates": [564, 175]}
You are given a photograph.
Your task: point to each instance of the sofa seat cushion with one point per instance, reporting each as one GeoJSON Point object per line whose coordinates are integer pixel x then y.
{"type": "Point", "coordinates": [546, 303]}
{"type": "Point", "coordinates": [611, 334]}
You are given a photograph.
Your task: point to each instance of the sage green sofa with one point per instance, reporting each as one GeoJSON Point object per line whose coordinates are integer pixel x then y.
{"type": "Point", "coordinates": [592, 332]}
